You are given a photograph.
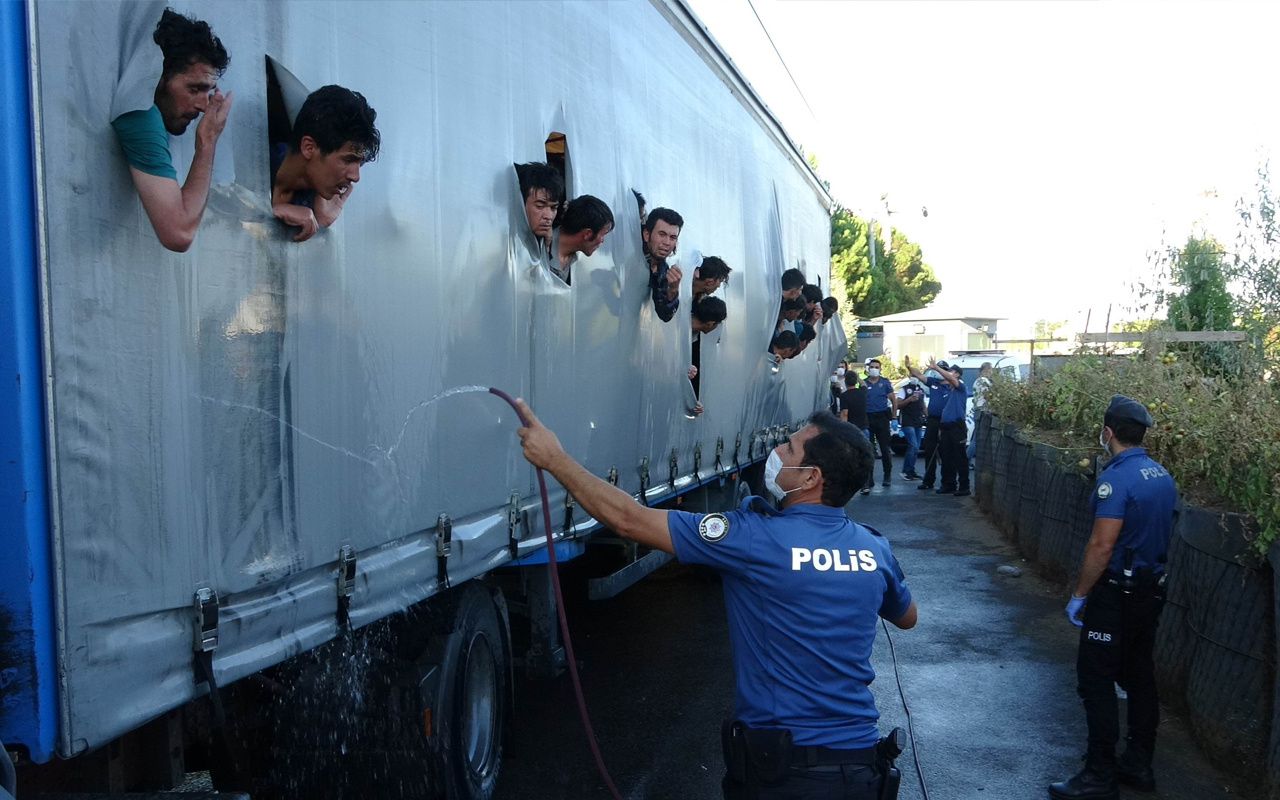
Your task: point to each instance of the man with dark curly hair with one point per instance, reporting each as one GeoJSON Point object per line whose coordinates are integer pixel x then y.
{"type": "Point", "coordinates": [194, 60]}
{"type": "Point", "coordinates": [313, 174]}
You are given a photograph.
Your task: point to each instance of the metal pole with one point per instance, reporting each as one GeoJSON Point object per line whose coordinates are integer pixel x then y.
{"type": "Point", "coordinates": [871, 241]}
{"type": "Point", "coordinates": [1107, 329]}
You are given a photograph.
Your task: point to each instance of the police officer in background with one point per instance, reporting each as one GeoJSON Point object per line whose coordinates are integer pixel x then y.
{"type": "Point", "coordinates": [804, 588]}
{"type": "Point", "coordinates": [1122, 581]}
{"type": "Point", "coordinates": [954, 429]}
{"type": "Point", "coordinates": [939, 392]}
{"type": "Point", "coordinates": [882, 407]}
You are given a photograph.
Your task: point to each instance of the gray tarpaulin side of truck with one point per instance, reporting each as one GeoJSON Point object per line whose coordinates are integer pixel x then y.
{"type": "Point", "coordinates": [231, 417]}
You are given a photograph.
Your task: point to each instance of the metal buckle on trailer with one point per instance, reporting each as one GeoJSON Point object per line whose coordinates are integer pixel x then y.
{"type": "Point", "coordinates": [513, 521]}
{"type": "Point", "coordinates": [644, 480]}
{"type": "Point", "coordinates": [674, 465]}
{"type": "Point", "coordinates": [346, 582]}
{"type": "Point", "coordinates": [444, 546]}
{"type": "Point", "coordinates": [346, 572]}
{"type": "Point", "coordinates": [568, 514]}
{"type": "Point", "coordinates": [697, 457]}
{"type": "Point", "coordinates": [751, 447]}
{"type": "Point", "coordinates": [613, 475]}
{"type": "Point", "coordinates": [206, 629]}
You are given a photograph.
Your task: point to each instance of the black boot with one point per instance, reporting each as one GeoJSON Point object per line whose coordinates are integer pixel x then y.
{"type": "Point", "coordinates": [1133, 768]}
{"type": "Point", "coordinates": [1097, 781]}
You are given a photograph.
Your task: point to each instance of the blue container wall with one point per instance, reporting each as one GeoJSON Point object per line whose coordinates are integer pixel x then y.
{"type": "Point", "coordinates": [28, 712]}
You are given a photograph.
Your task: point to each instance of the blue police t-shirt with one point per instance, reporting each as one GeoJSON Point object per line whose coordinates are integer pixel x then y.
{"type": "Point", "coordinates": [1134, 488]}
{"type": "Point", "coordinates": [804, 588]}
{"type": "Point", "coordinates": [878, 394]}
{"type": "Point", "coordinates": [939, 390]}
{"type": "Point", "coordinates": [957, 405]}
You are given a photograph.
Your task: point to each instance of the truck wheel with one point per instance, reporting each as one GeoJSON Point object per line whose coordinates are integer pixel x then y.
{"type": "Point", "coordinates": [473, 698]}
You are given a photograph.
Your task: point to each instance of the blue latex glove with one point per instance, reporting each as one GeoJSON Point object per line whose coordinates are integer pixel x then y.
{"type": "Point", "coordinates": [1073, 608]}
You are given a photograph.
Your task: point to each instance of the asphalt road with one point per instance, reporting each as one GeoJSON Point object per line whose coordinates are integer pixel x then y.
{"type": "Point", "coordinates": [989, 674]}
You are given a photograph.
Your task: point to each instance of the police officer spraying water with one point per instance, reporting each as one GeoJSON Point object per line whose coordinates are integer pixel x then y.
{"type": "Point", "coordinates": [1117, 604]}
{"type": "Point", "coordinates": [804, 587]}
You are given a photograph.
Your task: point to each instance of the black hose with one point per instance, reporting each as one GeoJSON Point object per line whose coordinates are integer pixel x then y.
{"type": "Point", "coordinates": [564, 621]}
{"type": "Point", "coordinates": [911, 729]}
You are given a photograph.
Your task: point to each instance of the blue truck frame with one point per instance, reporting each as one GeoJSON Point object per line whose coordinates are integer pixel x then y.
{"type": "Point", "coordinates": [28, 691]}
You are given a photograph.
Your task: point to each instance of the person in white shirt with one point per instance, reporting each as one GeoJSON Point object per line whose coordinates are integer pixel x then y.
{"type": "Point", "coordinates": [980, 386]}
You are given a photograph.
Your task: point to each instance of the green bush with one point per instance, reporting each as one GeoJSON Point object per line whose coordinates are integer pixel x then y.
{"type": "Point", "coordinates": [1218, 436]}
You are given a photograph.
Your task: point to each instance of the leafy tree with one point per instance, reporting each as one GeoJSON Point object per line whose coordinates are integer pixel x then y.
{"type": "Point", "coordinates": [899, 281]}
{"type": "Point", "coordinates": [1044, 329]}
{"type": "Point", "coordinates": [1254, 274]}
{"type": "Point", "coordinates": [1201, 301]}
{"type": "Point", "coordinates": [1138, 325]}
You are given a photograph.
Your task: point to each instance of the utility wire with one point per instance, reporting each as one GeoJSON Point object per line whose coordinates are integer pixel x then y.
{"type": "Point", "coordinates": [783, 60]}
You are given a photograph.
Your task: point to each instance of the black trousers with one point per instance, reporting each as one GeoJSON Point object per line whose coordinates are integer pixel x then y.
{"type": "Point", "coordinates": [878, 429]}
{"type": "Point", "coordinates": [1116, 643]}
{"type": "Point", "coordinates": [847, 782]}
{"type": "Point", "coordinates": [955, 464]}
{"type": "Point", "coordinates": [929, 449]}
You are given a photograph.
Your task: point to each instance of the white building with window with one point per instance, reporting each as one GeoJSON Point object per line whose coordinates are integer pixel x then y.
{"type": "Point", "coordinates": [936, 332]}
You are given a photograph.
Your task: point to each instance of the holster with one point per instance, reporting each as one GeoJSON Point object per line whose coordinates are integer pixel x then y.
{"type": "Point", "coordinates": [756, 756]}
{"type": "Point", "coordinates": [887, 751]}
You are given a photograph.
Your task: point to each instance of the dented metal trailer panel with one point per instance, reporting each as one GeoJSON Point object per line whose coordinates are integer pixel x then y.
{"type": "Point", "coordinates": [231, 417]}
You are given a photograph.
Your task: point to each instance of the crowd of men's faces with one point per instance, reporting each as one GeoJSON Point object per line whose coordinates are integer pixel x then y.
{"type": "Point", "coordinates": [802, 311]}
{"type": "Point", "coordinates": [315, 157]}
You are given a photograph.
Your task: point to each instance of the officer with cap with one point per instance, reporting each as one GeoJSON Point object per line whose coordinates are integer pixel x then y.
{"type": "Point", "coordinates": [1120, 593]}
{"type": "Point", "coordinates": [804, 588]}
{"type": "Point", "coordinates": [939, 393]}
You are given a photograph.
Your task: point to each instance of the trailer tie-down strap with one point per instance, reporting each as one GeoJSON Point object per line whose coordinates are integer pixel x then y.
{"type": "Point", "coordinates": [206, 641]}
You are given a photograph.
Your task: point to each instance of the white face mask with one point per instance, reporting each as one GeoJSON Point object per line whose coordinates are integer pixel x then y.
{"type": "Point", "coordinates": [872, 372]}
{"type": "Point", "coordinates": [772, 467]}
{"type": "Point", "coordinates": [931, 374]}
{"type": "Point", "coordinates": [840, 371]}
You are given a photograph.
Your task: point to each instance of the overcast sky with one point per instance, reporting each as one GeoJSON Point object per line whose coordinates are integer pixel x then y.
{"type": "Point", "coordinates": [1054, 143]}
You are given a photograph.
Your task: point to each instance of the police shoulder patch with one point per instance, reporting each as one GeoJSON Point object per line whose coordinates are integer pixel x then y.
{"type": "Point", "coordinates": [1104, 491]}
{"type": "Point", "coordinates": [713, 527]}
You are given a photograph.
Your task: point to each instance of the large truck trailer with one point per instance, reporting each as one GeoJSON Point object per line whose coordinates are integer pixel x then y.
{"type": "Point", "coordinates": [251, 454]}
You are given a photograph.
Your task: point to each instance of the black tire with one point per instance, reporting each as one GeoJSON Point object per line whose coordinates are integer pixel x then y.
{"type": "Point", "coordinates": [473, 713]}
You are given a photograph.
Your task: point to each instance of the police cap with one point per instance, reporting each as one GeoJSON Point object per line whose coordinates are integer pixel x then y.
{"type": "Point", "coordinates": [944, 365]}
{"type": "Point", "coordinates": [1124, 408]}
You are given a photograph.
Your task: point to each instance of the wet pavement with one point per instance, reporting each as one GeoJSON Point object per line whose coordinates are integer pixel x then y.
{"type": "Point", "coordinates": [989, 675]}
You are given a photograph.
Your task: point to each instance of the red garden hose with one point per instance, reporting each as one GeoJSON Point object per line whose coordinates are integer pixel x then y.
{"type": "Point", "coordinates": [564, 622]}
